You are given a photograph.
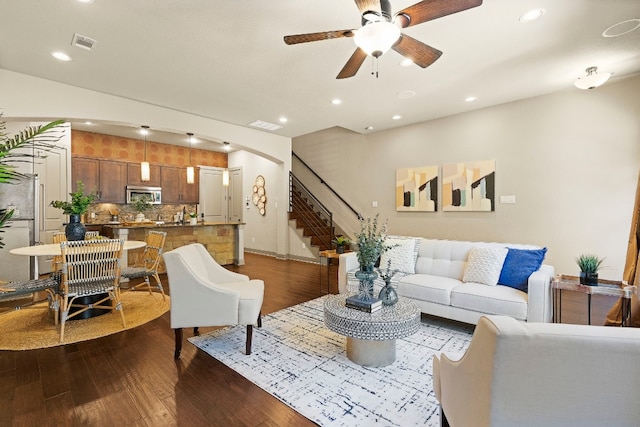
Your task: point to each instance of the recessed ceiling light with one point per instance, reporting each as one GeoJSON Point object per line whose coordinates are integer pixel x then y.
{"type": "Point", "coordinates": [622, 28]}
{"type": "Point", "coordinates": [470, 99]}
{"type": "Point", "coordinates": [532, 15]}
{"type": "Point", "coordinates": [226, 146]}
{"type": "Point", "coordinates": [61, 56]}
{"type": "Point", "coordinates": [396, 117]}
{"type": "Point", "coordinates": [144, 130]}
{"type": "Point", "coordinates": [264, 125]}
{"type": "Point", "coordinates": [88, 123]}
{"type": "Point", "coordinates": [403, 94]}
{"type": "Point", "coordinates": [406, 62]}
{"type": "Point", "coordinates": [85, 1]}
{"type": "Point", "coordinates": [283, 119]}
{"type": "Point", "coordinates": [336, 101]}
{"type": "Point", "coordinates": [369, 128]}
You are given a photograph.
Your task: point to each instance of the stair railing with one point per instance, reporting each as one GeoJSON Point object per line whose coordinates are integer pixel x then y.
{"type": "Point", "coordinates": [322, 181]}
{"type": "Point", "coordinates": [315, 217]}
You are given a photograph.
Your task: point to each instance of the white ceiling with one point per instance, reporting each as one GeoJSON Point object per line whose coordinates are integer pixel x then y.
{"type": "Point", "coordinates": [226, 60]}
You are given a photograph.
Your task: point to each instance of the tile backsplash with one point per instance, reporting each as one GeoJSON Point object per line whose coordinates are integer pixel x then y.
{"type": "Point", "coordinates": [126, 213]}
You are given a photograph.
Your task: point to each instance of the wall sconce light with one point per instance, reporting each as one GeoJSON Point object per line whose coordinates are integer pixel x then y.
{"type": "Point", "coordinates": [225, 178]}
{"type": "Point", "coordinates": [145, 170]}
{"type": "Point", "coordinates": [191, 174]}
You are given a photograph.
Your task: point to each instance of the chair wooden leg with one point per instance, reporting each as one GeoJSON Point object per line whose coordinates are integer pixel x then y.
{"type": "Point", "coordinates": [178, 349]}
{"type": "Point", "coordinates": [443, 419]}
{"type": "Point", "coordinates": [249, 336]}
{"type": "Point", "coordinates": [260, 320]}
{"type": "Point", "coordinates": [160, 288]}
{"type": "Point", "coordinates": [196, 331]}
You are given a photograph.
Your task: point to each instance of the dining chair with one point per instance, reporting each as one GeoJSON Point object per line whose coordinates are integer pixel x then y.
{"type": "Point", "coordinates": [56, 260]}
{"type": "Point", "coordinates": [90, 268]}
{"type": "Point", "coordinates": [203, 293]}
{"type": "Point", "coordinates": [148, 265]}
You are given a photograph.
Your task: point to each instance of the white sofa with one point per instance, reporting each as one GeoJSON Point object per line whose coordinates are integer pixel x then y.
{"type": "Point", "coordinates": [536, 374]}
{"type": "Point", "coordinates": [437, 281]}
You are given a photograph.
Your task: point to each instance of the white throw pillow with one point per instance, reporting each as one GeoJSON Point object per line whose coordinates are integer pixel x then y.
{"type": "Point", "coordinates": [484, 265]}
{"type": "Point", "coordinates": [402, 255]}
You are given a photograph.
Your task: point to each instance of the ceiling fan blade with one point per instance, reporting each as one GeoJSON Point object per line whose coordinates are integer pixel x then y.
{"type": "Point", "coordinates": [427, 10]}
{"type": "Point", "coordinates": [314, 37]}
{"type": "Point", "coordinates": [420, 53]}
{"type": "Point", "coordinates": [368, 5]}
{"type": "Point", "coordinates": [353, 64]}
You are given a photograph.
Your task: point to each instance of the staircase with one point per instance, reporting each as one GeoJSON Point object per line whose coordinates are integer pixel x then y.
{"type": "Point", "coordinates": [310, 215]}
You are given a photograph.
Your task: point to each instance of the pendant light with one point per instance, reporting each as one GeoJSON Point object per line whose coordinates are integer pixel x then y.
{"type": "Point", "coordinates": [145, 170]}
{"type": "Point", "coordinates": [191, 176]}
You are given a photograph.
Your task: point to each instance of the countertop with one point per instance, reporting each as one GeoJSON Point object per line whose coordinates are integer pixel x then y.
{"type": "Point", "coordinates": [165, 225]}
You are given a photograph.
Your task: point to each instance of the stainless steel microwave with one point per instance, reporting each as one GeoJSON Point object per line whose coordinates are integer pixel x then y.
{"type": "Point", "coordinates": [154, 194]}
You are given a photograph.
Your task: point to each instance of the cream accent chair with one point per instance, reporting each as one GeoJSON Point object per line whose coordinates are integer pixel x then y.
{"type": "Point", "coordinates": [541, 374]}
{"type": "Point", "coordinates": [205, 294]}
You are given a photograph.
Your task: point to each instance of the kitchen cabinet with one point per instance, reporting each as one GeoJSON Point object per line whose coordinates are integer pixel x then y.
{"type": "Point", "coordinates": [108, 178]}
{"type": "Point", "coordinates": [133, 175]}
{"type": "Point", "coordinates": [175, 188]}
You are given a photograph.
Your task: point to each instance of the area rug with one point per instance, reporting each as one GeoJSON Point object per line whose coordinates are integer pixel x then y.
{"type": "Point", "coordinates": [298, 360]}
{"type": "Point", "coordinates": [33, 327]}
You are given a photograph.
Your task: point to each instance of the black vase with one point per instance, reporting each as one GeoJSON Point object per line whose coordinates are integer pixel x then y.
{"type": "Point", "coordinates": [75, 229]}
{"type": "Point", "coordinates": [589, 279]}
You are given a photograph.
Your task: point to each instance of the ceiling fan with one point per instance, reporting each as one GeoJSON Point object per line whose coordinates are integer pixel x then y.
{"type": "Point", "coordinates": [381, 31]}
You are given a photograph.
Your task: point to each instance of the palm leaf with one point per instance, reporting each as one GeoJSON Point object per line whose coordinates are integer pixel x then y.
{"type": "Point", "coordinates": [5, 215]}
{"type": "Point", "coordinates": [31, 143]}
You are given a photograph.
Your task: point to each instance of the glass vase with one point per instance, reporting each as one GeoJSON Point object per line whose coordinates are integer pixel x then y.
{"type": "Point", "coordinates": [388, 294]}
{"type": "Point", "coordinates": [366, 275]}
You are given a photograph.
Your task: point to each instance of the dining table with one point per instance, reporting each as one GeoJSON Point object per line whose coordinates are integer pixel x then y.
{"type": "Point", "coordinates": [53, 249]}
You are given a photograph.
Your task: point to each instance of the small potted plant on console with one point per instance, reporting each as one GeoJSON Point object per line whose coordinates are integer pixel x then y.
{"type": "Point", "coordinates": [341, 242]}
{"type": "Point", "coordinates": [589, 265]}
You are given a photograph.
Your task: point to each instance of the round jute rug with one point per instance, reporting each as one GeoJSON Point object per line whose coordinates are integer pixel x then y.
{"type": "Point", "coordinates": [33, 327]}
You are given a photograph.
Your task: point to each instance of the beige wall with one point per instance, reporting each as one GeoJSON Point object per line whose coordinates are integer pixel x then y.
{"type": "Point", "coordinates": [571, 159]}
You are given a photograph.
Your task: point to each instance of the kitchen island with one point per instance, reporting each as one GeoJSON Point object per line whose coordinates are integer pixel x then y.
{"type": "Point", "coordinates": [224, 241]}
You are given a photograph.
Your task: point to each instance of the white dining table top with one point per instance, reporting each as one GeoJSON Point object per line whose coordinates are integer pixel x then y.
{"type": "Point", "coordinates": [54, 248]}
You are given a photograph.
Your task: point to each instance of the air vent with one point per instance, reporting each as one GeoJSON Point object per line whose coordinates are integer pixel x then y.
{"type": "Point", "coordinates": [264, 125]}
{"type": "Point", "coordinates": [83, 42]}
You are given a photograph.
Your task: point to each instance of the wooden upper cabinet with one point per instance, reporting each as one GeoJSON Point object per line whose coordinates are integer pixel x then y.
{"type": "Point", "coordinates": [133, 175]}
{"type": "Point", "coordinates": [113, 181]}
{"type": "Point", "coordinates": [87, 171]}
{"type": "Point", "coordinates": [106, 178]}
{"type": "Point", "coordinates": [175, 188]}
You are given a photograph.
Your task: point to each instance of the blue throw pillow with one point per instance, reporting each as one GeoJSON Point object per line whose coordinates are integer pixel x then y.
{"type": "Point", "coordinates": [518, 266]}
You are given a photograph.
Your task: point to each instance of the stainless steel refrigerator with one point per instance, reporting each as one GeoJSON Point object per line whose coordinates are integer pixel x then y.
{"type": "Point", "coordinates": [22, 229]}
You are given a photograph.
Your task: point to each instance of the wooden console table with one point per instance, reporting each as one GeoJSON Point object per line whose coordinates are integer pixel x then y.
{"type": "Point", "coordinates": [325, 259]}
{"type": "Point", "coordinates": [605, 287]}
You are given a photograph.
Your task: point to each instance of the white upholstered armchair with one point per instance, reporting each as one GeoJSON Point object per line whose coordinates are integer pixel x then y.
{"type": "Point", "coordinates": [204, 293]}
{"type": "Point", "coordinates": [541, 374]}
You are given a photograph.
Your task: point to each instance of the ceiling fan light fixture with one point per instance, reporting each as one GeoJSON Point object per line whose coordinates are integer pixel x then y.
{"type": "Point", "coordinates": [592, 80]}
{"type": "Point", "coordinates": [376, 38]}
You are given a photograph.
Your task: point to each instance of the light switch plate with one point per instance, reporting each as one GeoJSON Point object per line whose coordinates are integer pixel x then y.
{"type": "Point", "coordinates": [508, 199]}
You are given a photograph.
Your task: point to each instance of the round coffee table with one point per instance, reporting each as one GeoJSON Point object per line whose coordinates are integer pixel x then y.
{"type": "Point", "coordinates": [371, 337]}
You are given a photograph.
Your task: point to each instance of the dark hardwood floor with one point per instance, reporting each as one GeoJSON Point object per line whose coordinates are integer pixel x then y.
{"type": "Point", "coordinates": [130, 378]}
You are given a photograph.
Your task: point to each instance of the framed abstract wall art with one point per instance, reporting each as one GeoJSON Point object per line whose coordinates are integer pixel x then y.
{"type": "Point", "coordinates": [469, 186]}
{"type": "Point", "coordinates": [417, 189]}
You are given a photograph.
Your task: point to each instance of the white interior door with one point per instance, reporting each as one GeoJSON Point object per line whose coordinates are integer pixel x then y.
{"type": "Point", "coordinates": [213, 201]}
{"type": "Point", "coordinates": [235, 195]}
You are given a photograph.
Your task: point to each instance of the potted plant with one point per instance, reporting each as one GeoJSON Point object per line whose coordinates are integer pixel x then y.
{"type": "Point", "coordinates": [193, 218]}
{"type": "Point", "coordinates": [370, 241]}
{"type": "Point", "coordinates": [589, 265]}
{"type": "Point", "coordinates": [78, 206]}
{"type": "Point", "coordinates": [341, 242]}
{"type": "Point", "coordinates": [141, 204]}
